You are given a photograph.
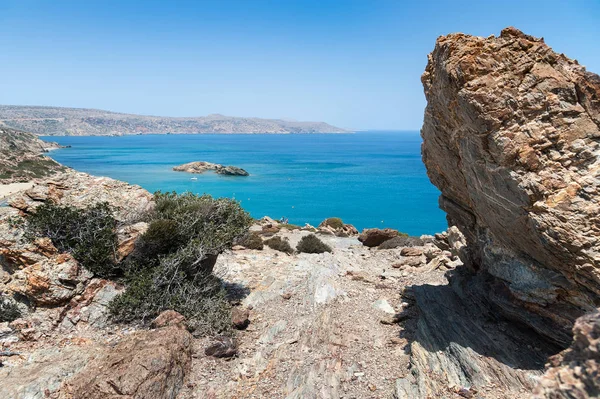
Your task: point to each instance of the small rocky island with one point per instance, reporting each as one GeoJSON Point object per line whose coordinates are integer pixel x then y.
{"type": "Point", "coordinates": [201, 167]}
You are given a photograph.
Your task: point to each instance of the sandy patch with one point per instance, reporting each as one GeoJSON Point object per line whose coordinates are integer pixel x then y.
{"type": "Point", "coordinates": [9, 189]}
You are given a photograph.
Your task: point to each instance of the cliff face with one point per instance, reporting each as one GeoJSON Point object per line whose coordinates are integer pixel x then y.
{"type": "Point", "coordinates": [511, 138]}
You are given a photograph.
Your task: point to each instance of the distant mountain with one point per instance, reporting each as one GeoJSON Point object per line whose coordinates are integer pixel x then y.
{"type": "Point", "coordinates": [86, 122]}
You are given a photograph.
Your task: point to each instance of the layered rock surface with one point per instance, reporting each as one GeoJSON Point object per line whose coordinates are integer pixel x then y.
{"type": "Point", "coordinates": [511, 138]}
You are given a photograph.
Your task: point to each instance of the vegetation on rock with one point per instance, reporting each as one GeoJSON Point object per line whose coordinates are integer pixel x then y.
{"type": "Point", "coordinates": [171, 266]}
{"type": "Point", "coordinates": [88, 234]}
{"type": "Point", "coordinates": [252, 240]}
{"type": "Point", "coordinates": [280, 244]}
{"type": "Point", "coordinates": [311, 244]}
{"type": "Point", "coordinates": [334, 223]}
{"type": "Point", "coordinates": [8, 310]}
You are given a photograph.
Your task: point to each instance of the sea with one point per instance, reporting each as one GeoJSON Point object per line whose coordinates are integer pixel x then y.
{"type": "Point", "coordinates": [369, 179]}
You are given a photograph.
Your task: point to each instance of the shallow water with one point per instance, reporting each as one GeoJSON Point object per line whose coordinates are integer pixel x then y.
{"type": "Point", "coordinates": [369, 179]}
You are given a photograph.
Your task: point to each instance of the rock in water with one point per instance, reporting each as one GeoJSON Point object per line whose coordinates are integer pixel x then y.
{"type": "Point", "coordinates": [201, 167]}
{"type": "Point", "coordinates": [511, 138]}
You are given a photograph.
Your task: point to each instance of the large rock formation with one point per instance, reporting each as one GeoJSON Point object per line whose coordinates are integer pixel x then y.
{"type": "Point", "coordinates": [511, 138]}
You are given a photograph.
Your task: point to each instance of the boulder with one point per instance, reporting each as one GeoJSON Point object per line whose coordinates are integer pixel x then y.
{"type": "Point", "coordinates": [222, 347]}
{"type": "Point", "coordinates": [240, 318]}
{"type": "Point", "coordinates": [375, 237]}
{"type": "Point", "coordinates": [511, 138]}
{"type": "Point", "coordinates": [401, 241]}
{"type": "Point", "coordinates": [144, 365]}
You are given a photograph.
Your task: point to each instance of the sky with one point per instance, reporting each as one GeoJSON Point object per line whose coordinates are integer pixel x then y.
{"type": "Point", "coordinates": [354, 64]}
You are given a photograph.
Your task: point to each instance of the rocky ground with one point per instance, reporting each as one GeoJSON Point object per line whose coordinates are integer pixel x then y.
{"type": "Point", "coordinates": [332, 325]}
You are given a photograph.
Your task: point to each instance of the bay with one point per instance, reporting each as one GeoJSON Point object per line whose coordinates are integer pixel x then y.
{"type": "Point", "coordinates": [369, 179]}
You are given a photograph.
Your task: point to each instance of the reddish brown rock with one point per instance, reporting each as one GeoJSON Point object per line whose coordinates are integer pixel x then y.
{"type": "Point", "coordinates": [375, 237]}
{"type": "Point", "coordinates": [240, 318]}
{"type": "Point", "coordinates": [145, 365]}
{"type": "Point", "coordinates": [168, 318]}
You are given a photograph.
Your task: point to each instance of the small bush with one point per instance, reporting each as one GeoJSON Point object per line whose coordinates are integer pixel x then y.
{"type": "Point", "coordinates": [8, 310]}
{"type": "Point", "coordinates": [311, 244]}
{"type": "Point", "coordinates": [252, 240]}
{"type": "Point", "coordinates": [280, 244]}
{"type": "Point", "coordinates": [179, 283]}
{"type": "Point", "coordinates": [88, 234]}
{"type": "Point", "coordinates": [334, 223]}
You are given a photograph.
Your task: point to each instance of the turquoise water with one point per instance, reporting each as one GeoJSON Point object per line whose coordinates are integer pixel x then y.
{"type": "Point", "coordinates": [369, 179]}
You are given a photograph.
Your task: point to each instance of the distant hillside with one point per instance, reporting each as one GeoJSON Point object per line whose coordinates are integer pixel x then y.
{"type": "Point", "coordinates": [21, 156]}
{"type": "Point", "coordinates": [83, 122]}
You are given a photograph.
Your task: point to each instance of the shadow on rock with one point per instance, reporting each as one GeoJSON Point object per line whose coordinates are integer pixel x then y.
{"type": "Point", "coordinates": [458, 339]}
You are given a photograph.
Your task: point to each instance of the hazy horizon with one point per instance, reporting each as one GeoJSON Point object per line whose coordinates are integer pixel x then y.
{"type": "Point", "coordinates": [352, 64]}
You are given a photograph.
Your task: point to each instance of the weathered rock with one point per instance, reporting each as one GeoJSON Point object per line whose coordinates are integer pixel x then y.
{"type": "Point", "coordinates": [511, 137]}
{"type": "Point", "coordinates": [168, 318]}
{"type": "Point", "coordinates": [91, 307]}
{"type": "Point", "coordinates": [50, 282]}
{"type": "Point", "coordinates": [127, 237]}
{"type": "Point", "coordinates": [411, 251]}
{"type": "Point", "coordinates": [240, 318]}
{"type": "Point", "coordinates": [575, 372]}
{"type": "Point", "coordinates": [43, 371]}
{"type": "Point", "coordinates": [375, 237]}
{"type": "Point", "coordinates": [145, 365]}
{"type": "Point", "coordinates": [401, 241]}
{"type": "Point", "coordinates": [222, 347]}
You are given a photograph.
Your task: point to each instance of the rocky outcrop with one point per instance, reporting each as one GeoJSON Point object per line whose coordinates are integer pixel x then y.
{"type": "Point", "coordinates": [575, 372]}
{"type": "Point", "coordinates": [376, 237]}
{"type": "Point", "coordinates": [145, 365]}
{"type": "Point", "coordinates": [36, 272]}
{"type": "Point", "coordinates": [511, 137]}
{"type": "Point", "coordinates": [201, 167]}
{"type": "Point", "coordinates": [21, 159]}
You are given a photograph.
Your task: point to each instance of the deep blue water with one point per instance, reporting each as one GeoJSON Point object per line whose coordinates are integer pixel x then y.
{"type": "Point", "coordinates": [369, 179]}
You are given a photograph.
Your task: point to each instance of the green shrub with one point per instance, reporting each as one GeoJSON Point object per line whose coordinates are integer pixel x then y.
{"type": "Point", "coordinates": [311, 244]}
{"type": "Point", "coordinates": [8, 310]}
{"type": "Point", "coordinates": [252, 240]}
{"type": "Point", "coordinates": [180, 283]}
{"type": "Point", "coordinates": [215, 222]}
{"type": "Point", "coordinates": [171, 267]}
{"type": "Point", "coordinates": [335, 223]}
{"type": "Point", "coordinates": [89, 234]}
{"type": "Point", "coordinates": [279, 244]}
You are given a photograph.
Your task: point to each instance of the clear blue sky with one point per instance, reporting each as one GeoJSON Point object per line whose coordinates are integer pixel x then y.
{"type": "Point", "coordinates": [355, 64]}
